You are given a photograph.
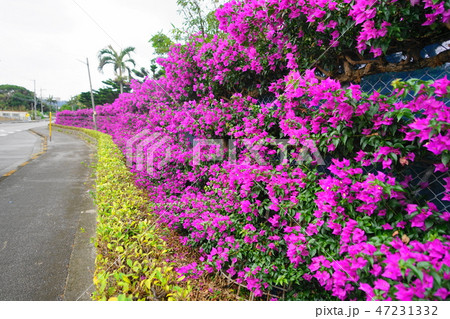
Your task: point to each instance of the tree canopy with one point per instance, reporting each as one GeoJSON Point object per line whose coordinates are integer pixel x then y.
{"type": "Point", "coordinates": [104, 95]}
{"type": "Point", "coordinates": [199, 19]}
{"type": "Point", "coordinates": [120, 61]}
{"type": "Point", "coordinates": [14, 97]}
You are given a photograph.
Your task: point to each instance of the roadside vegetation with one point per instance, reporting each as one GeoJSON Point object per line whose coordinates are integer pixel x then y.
{"type": "Point", "coordinates": [276, 86]}
{"type": "Point", "coordinates": [136, 257]}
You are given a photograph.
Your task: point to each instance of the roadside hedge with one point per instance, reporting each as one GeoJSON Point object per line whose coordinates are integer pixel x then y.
{"type": "Point", "coordinates": [227, 145]}
{"type": "Point", "coordinates": [131, 262]}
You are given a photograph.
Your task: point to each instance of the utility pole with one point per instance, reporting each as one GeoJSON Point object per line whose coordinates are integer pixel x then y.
{"type": "Point", "coordinates": [34, 99]}
{"type": "Point", "coordinates": [92, 96]}
{"type": "Point", "coordinates": [42, 107]}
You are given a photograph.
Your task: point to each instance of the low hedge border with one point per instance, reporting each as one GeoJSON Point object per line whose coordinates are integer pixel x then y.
{"type": "Point", "coordinates": [133, 260]}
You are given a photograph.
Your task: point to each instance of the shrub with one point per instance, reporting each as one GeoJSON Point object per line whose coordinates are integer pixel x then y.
{"type": "Point", "coordinates": [131, 262]}
{"type": "Point", "coordinates": [315, 199]}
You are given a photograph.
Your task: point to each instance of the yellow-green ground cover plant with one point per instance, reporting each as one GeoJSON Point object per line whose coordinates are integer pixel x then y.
{"type": "Point", "coordinates": [136, 255]}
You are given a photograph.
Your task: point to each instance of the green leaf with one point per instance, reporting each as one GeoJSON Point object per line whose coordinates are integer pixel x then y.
{"type": "Point", "coordinates": [417, 272]}
{"type": "Point", "coordinates": [429, 224]}
{"type": "Point", "coordinates": [124, 298]}
{"type": "Point", "coordinates": [437, 278]}
{"type": "Point", "coordinates": [445, 158]}
{"type": "Point", "coordinates": [423, 264]}
{"type": "Point", "coordinates": [344, 139]}
{"type": "Point", "coordinates": [119, 249]}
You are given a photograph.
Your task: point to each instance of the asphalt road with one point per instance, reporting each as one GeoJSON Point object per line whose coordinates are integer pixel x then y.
{"type": "Point", "coordinates": [42, 207]}
{"type": "Point", "coordinates": [17, 144]}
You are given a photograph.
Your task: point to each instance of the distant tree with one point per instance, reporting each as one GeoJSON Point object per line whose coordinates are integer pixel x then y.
{"type": "Point", "coordinates": [113, 86]}
{"type": "Point", "coordinates": [51, 101]}
{"type": "Point", "coordinates": [104, 95]}
{"type": "Point", "coordinates": [141, 73]}
{"type": "Point", "coordinates": [157, 71]}
{"type": "Point", "coordinates": [13, 97]}
{"type": "Point", "coordinates": [199, 18]}
{"type": "Point", "coordinates": [73, 104]}
{"type": "Point", "coordinates": [44, 104]}
{"type": "Point", "coordinates": [120, 61]}
{"type": "Point", "coordinates": [161, 43]}
{"type": "Point", "coordinates": [85, 99]}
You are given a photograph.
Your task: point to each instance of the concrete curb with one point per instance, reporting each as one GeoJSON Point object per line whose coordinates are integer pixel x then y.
{"type": "Point", "coordinates": [79, 284]}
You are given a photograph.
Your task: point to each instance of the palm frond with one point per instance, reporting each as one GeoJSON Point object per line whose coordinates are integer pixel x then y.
{"type": "Point", "coordinates": [104, 60]}
{"type": "Point", "coordinates": [109, 55]}
{"type": "Point", "coordinates": [130, 61]}
{"type": "Point", "coordinates": [127, 51]}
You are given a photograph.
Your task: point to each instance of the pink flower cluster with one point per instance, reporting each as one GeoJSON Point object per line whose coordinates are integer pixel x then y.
{"type": "Point", "coordinates": [310, 192]}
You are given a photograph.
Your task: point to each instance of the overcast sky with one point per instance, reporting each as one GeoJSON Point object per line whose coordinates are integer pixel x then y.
{"type": "Point", "coordinates": [45, 40]}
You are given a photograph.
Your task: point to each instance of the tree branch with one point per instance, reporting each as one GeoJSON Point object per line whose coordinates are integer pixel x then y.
{"type": "Point", "coordinates": [376, 66]}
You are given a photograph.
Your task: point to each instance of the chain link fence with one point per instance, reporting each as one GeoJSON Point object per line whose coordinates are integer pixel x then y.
{"type": "Point", "coordinates": [429, 184]}
{"type": "Point", "coordinates": [382, 82]}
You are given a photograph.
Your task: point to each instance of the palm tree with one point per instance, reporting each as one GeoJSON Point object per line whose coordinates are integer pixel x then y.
{"type": "Point", "coordinates": [52, 101]}
{"type": "Point", "coordinates": [119, 60]}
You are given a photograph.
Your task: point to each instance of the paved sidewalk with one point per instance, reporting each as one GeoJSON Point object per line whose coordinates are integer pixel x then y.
{"type": "Point", "coordinates": [47, 217]}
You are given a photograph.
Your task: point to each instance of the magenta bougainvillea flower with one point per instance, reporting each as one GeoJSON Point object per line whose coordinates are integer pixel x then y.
{"type": "Point", "coordinates": [310, 192]}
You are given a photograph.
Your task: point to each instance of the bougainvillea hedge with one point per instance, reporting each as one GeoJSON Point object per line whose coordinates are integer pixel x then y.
{"type": "Point", "coordinates": [309, 196]}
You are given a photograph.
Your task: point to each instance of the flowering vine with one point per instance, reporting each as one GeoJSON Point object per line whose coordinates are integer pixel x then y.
{"type": "Point", "coordinates": [309, 196]}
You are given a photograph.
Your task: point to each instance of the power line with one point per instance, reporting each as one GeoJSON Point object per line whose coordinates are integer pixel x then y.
{"type": "Point", "coordinates": [96, 23]}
